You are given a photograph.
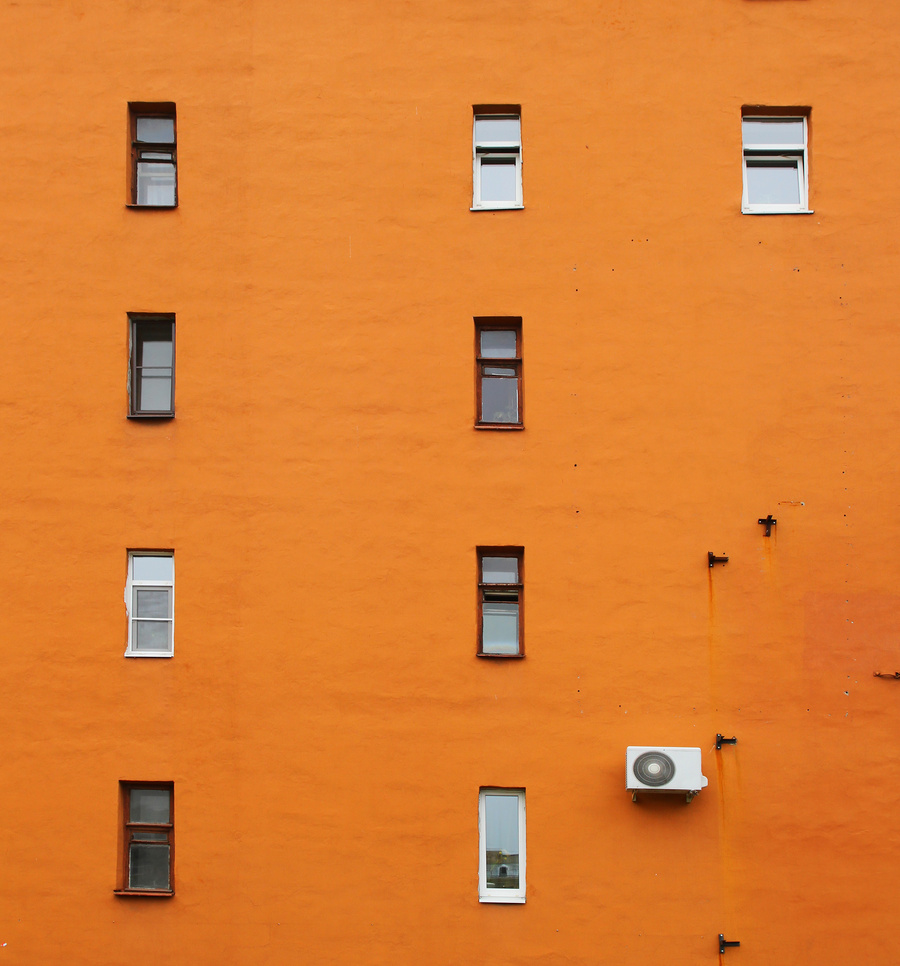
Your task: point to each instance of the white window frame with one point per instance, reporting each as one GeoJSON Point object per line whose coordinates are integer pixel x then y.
{"type": "Point", "coordinates": [485, 892]}
{"type": "Point", "coordinates": [492, 150]}
{"type": "Point", "coordinates": [784, 152]}
{"type": "Point", "coordinates": [131, 585]}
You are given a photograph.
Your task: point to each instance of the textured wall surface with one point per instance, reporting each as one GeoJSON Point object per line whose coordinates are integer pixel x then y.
{"type": "Point", "coordinates": [687, 369]}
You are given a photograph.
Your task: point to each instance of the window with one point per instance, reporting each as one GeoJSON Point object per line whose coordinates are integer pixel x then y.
{"type": "Point", "coordinates": [149, 599]}
{"type": "Point", "coordinates": [153, 173]}
{"type": "Point", "coordinates": [775, 164]}
{"type": "Point", "coordinates": [148, 838]}
{"type": "Point", "coordinates": [152, 376]}
{"type": "Point", "coordinates": [501, 853]}
{"type": "Point", "coordinates": [498, 379]}
{"type": "Point", "coordinates": [500, 602]}
{"type": "Point", "coordinates": [498, 158]}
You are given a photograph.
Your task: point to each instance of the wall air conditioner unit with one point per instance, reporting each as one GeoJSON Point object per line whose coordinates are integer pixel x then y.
{"type": "Point", "coordinates": [666, 770]}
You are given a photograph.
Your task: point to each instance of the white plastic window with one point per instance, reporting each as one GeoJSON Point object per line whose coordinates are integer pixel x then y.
{"type": "Point", "coordinates": [497, 148]}
{"type": "Point", "coordinates": [150, 600]}
{"type": "Point", "coordinates": [501, 833]}
{"type": "Point", "coordinates": [775, 165]}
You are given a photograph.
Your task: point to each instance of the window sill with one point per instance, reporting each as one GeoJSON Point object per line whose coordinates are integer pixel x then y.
{"type": "Point", "coordinates": [502, 657]}
{"type": "Point", "coordinates": [149, 654]}
{"type": "Point", "coordinates": [153, 893]}
{"type": "Point", "coordinates": [506, 900]}
{"type": "Point", "coordinates": [151, 415]}
{"type": "Point", "coordinates": [503, 426]}
{"type": "Point", "coordinates": [795, 211]}
{"type": "Point", "coordinates": [152, 207]}
{"type": "Point", "coordinates": [498, 208]}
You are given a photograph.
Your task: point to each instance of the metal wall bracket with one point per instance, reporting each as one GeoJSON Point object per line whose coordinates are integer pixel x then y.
{"type": "Point", "coordinates": [725, 944]}
{"type": "Point", "coordinates": [768, 522]}
{"type": "Point", "coordinates": [722, 740]}
{"type": "Point", "coordinates": [713, 559]}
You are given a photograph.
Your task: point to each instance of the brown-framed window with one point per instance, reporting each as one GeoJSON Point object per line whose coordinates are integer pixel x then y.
{"type": "Point", "coordinates": [500, 600]}
{"type": "Point", "coordinates": [498, 373]}
{"type": "Point", "coordinates": [148, 838]}
{"type": "Point", "coordinates": [152, 375]}
{"type": "Point", "coordinates": [154, 181]}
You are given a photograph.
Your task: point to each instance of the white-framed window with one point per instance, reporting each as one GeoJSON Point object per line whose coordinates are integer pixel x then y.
{"type": "Point", "coordinates": [150, 602]}
{"type": "Point", "coordinates": [501, 845]}
{"type": "Point", "coordinates": [497, 152]}
{"type": "Point", "coordinates": [775, 164]}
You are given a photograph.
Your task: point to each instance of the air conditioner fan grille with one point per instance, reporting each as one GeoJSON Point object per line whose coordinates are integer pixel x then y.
{"type": "Point", "coordinates": [653, 768]}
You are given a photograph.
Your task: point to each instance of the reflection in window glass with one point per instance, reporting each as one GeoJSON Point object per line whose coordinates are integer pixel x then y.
{"type": "Point", "coordinates": [149, 806]}
{"type": "Point", "coordinates": [499, 396]}
{"type": "Point", "coordinates": [495, 128]}
{"type": "Point", "coordinates": [773, 184]}
{"type": "Point", "coordinates": [155, 183]}
{"type": "Point", "coordinates": [498, 344]}
{"type": "Point", "coordinates": [148, 866]}
{"type": "Point", "coordinates": [500, 570]}
{"type": "Point", "coordinates": [500, 628]}
{"type": "Point", "coordinates": [773, 131]}
{"type": "Point", "coordinates": [501, 819]}
{"type": "Point", "coordinates": [148, 567]}
{"type": "Point", "coordinates": [155, 130]}
{"type": "Point", "coordinates": [498, 180]}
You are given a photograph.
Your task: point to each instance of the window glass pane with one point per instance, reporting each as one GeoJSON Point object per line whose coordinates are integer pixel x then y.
{"type": "Point", "coordinates": [498, 179]}
{"type": "Point", "coordinates": [156, 155]}
{"type": "Point", "coordinates": [498, 344]}
{"type": "Point", "coordinates": [501, 832]}
{"type": "Point", "coordinates": [500, 570]}
{"type": "Point", "coordinates": [149, 806]}
{"type": "Point", "coordinates": [151, 636]}
{"type": "Point", "coordinates": [500, 400]}
{"type": "Point", "coordinates": [151, 603]}
{"type": "Point", "coordinates": [153, 343]}
{"type": "Point", "coordinates": [147, 567]}
{"type": "Point", "coordinates": [773, 131]}
{"type": "Point", "coordinates": [154, 390]}
{"type": "Point", "coordinates": [148, 866]}
{"type": "Point", "coordinates": [773, 184]}
{"type": "Point", "coordinates": [500, 628]}
{"type": "Point", "coordinates": [155, 183]}
{"type": "Point", "coordinates": [490, 128]}
{"type": "Point", "coordinates": [159, 130]}
{"type": "Point", "coordinates": [149, 837]}
{"type": "Point", "coordinates": [495, 371]}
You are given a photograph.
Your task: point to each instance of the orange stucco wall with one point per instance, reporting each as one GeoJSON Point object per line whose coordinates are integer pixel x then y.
{"type": "Point", "coordinates": [688, 369]}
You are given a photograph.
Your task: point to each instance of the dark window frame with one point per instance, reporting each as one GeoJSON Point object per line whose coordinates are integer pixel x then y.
{"type": "Point", "coordinates": [155, 109]}
{"type": "Point", "coordinates": [498, 324]}
{"type": "Point", "coordinates": [135, 320]}
{"type": "Point", "coordinates": [129, 828]}
{"type": "Point", "coordinates": [483, 588]}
